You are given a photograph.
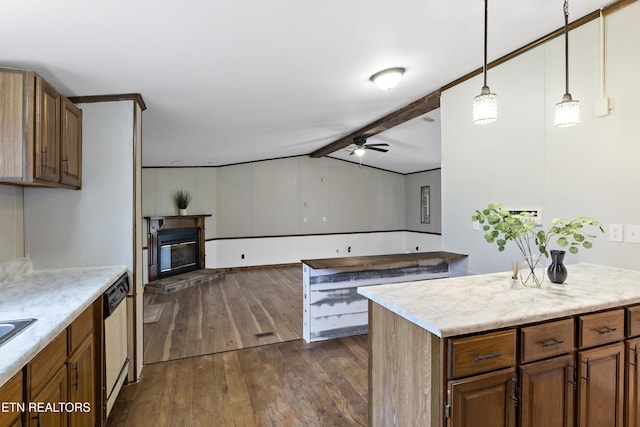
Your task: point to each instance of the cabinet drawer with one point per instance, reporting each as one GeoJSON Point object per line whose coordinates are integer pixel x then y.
{"type": "Point", "coordinates": [546, 340]}
{"type": "Point", "coordinates": [80, 328]}
{"type": "Point", "coordinates": [633, 321]}
{"type": "Point", "coordinates": [481, 353]}
{"type": "Point", "coordinates": [45, 365]}
{"type": "Point", "coordinates": [600, 328]}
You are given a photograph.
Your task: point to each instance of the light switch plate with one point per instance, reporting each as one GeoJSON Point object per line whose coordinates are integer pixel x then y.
{"type": "Point", "coordinates": [632, 233]}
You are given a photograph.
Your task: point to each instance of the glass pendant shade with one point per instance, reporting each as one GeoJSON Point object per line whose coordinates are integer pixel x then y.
{"type": "Point", "coordinates": [567, 112]}
{"type": "Point", "coordinates": [485, 107]}
{"type": "Point", "coordinates": [359, 151]}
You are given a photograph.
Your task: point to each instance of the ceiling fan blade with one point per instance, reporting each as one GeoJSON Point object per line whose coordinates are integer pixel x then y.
{"type": "Point", "coordinates": [378, 145]}
{"type": "Point", "coordinates": [382, 150]}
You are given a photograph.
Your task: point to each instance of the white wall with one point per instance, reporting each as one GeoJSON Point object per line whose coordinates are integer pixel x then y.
{"type": "Point", "coordinates": [318, 207]}
{"type": "Point", "coordinates": [92, 226]}
{"type": "Point", "coordinates": [285, 250]}
{"type": "Point", "coordinates": [524, 162]}
{"type": "Point", "coordinates": [296, 195]}
{"type": "Point", "coordinates": [11, 223]}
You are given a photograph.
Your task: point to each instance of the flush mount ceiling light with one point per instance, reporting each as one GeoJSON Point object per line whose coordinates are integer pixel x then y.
{"type": "Point", "coordinates": [389, 78]}
{"type": "Point", "coordinates": [485, 105]}
{"type": "Point", "coordinates": [567, 112]}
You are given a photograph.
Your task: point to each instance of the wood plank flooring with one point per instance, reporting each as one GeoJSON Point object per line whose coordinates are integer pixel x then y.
{"type": "Point", "coordinates": [285, 384]}
{"type": "Point", "coordinates": [226, 314]}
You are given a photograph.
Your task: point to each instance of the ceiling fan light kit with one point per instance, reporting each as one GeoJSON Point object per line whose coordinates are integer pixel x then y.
{"type": "Point", "coordinates": [485, 105]}
{"type": "Point", "coordinates": [361, 146]}
{"type": "Point", "coordinates": [389, 78]}
{"type": "Point", "coordinates": [567, 111]}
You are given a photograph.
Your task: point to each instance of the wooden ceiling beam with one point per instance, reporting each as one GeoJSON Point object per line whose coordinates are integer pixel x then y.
{"type": "Point", "coordinates": [417, 108]}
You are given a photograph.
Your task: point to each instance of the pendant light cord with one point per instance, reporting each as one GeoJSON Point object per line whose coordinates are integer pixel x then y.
{"type": "Point", "coordinates": [484, 68]}
{"type": "Point", "coordinates": [566, 45]}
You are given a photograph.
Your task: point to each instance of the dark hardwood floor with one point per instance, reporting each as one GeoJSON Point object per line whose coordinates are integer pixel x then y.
{"type": "Point", "coordinates": [285, 384]}
{"type": "Point", "coordinates": [244, 309]}
{"type": "Point", "coordinates": [207, 365]}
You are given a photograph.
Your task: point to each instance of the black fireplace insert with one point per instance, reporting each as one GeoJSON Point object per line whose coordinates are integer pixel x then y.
{"type": "Point", "coordinates": [178, 251]}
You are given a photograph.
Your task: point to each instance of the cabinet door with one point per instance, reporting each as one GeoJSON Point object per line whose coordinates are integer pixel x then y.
{"type": "Point", "coordinates": [11, 392]}
{"type": "Point", "coordinates": [47, 134]}
{"type": "Point", "coordinates": [486, 400]}
{"type": "Point", "coordinates": [71, 144]}
{"type": "Point", "coordinates": [632, 415]}
{"type": "Point", "coordinates": [53, 392]}
{"type": "Point", "coordinates": [81, 384]}
{"type": "Point", "coordinates": [547, 392]}
{"type": "Point", "coordinates": [601, 386]}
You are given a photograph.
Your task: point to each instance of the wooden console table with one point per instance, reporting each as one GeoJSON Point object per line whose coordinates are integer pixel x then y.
{"type": "Point", "coordinates": [332, 306]}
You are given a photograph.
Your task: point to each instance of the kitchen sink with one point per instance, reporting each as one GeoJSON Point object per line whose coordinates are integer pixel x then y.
{"type": "Point", "coordinates": [11, 328]}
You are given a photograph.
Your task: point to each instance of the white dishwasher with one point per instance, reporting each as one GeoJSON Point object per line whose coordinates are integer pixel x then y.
{"type": "Point", "coordinates": [115, 339]}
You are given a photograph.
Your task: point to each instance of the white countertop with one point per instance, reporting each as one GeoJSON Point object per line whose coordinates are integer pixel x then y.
{"type": "Point", "coordinates": [55, 298]}
{"type": "Point", "coordinates": [470, 304]}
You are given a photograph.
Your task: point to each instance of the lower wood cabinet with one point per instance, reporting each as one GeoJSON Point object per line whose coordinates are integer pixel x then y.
{"type": "Point", "coordinates": [601, 386]}
{"type": "Point", "coordinates": [486, 400]}
{"type": "Point", "coordinates": [61, 380]}
{"type": "Point", "coordinates": [54, 391]}
{"type": "Point", "coordinates": [547, 392]}
{"type": "Point", "coordinates": [11, 392]}
{"type": "Point", "coordinates": [632, 398]}
{"type": "Point", "coordinates": [80, 369]}
{"type": "Point", "coordinates": [574, 371]}
{"type": "Point", "coordinates": [550, 383]}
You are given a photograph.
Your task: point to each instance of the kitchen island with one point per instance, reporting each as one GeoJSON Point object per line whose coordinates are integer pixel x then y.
{"type": "Point", "coordinates": [469, 348]}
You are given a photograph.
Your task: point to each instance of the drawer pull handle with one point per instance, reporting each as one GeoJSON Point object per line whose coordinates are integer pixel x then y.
{"type": "Point", "coordinates": [588, 371]}
{"type": "Point", "coordinates": [635, 356]}
{"type": "Point", "coordinates": [606, 330]}
{"type": "Point", "coordinates": [551, 343]}
{"type": "Point", "coordinates": [488, 356]}
{"type": "Point", "coordinates": [573, 378]}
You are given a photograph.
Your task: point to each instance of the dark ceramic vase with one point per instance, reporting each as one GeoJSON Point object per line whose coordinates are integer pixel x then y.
{"type": "Point", "coordinates": [557, 272]}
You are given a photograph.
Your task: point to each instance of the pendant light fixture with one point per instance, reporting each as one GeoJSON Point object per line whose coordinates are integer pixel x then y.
{"type": "Point", "coordinates": [485, 105]}
{"type": "Point", "coordinates": [567, 112]}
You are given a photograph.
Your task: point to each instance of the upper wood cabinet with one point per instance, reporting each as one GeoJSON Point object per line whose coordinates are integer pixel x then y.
{"type": "Point", "coordinates": [71, 144]}
{"type": "Point", "coordinates": [40, 133]}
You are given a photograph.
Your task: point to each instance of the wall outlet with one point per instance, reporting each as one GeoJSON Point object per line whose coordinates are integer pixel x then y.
{"type": "Point", "coordinates": [632, 233]}
{"type": "Point", "coordinates": [615, 232]}
{"type": "Point", "coordinates": [476, 226]}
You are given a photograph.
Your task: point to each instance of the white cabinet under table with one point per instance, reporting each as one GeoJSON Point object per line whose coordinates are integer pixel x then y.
{"type": "Point", "coordinates": [331, 305]}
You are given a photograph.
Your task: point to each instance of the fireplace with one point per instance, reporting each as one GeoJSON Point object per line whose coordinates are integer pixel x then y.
{"type": "Point", "coordinates": [175, 244]}
{"type": "Point", "coordinates": [177, 251]}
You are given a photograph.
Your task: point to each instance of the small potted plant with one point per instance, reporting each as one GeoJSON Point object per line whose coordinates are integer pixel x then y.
{"type": "Point", "coordinates": [182, 199]}
{"type": "Point", "coordinates": [533, 241]}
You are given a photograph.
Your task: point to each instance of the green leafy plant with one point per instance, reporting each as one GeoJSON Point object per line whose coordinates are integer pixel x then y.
{"type": "Point", "coordinates": [501, 226]}
{"type": "Point", "coordinates": [182, 199]}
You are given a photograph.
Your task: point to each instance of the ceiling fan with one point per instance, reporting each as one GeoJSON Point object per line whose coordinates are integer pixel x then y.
{"type": "Point", "coordinates": [361, 146]}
